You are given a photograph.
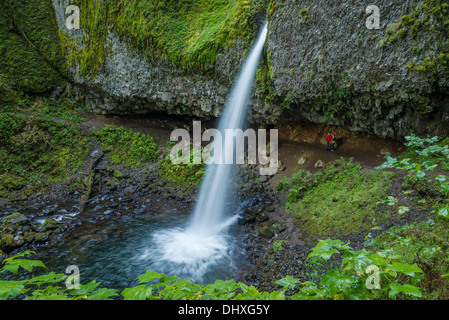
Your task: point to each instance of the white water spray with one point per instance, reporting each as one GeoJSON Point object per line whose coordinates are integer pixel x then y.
{"type": "Point", "coordinates": [205, 242]}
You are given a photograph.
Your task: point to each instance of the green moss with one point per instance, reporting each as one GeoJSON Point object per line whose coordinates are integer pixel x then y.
{"type": "Point", "coordinates": [64, 109]}
{"type": "Point", "coordinates": [407, 20]}
{"type": "Point", "coordinates": [342, 199]}
{"type": "Point", "coordinates": [277, 246]}
{"type": "Point", "coordinates": [189, 34]}
{"type": "Point", "coordinates": [392, 39]}
{"type": "Point", "coordinates": [303, 14]}
{"type": "Point", "coordinates": [402, 33]}
{"type": "Point", "coordinates": [182, 174]}
{"type": "Point", "coordinates": [35, 153]}
{"type": "Point", "coordinates": [431, 18]}
{"type": "Point", "coordinates": [127, 147]}
{"type": "Point", "coordinates": [264, 83]}
{"type": "Point", "coordinates": [271, 8]}
{"type": "Point", "coordinates": [30, 52]}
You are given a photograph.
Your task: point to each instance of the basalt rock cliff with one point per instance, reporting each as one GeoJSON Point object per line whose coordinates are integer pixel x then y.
{"type": "Point", "coordinates": [321, 63]}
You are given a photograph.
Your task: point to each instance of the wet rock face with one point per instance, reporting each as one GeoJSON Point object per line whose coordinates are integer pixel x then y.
{"type": "Point", "coordinates": [335, 70]}
{"type": "Point", "coordinates": [132, 83]}
{"type": "Point", "coordinates": [326, 67]}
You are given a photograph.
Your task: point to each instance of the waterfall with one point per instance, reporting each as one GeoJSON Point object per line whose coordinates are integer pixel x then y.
{"type": "Point", "coordinates": [208, 214]}
{"type": "Point", "coordinates": [204, 242]}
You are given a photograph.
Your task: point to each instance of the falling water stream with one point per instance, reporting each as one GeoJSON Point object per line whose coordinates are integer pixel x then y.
{"type": "Point", "coordinates": [203, 246]}
{"type": "Point", "coordinates": [205, 242]}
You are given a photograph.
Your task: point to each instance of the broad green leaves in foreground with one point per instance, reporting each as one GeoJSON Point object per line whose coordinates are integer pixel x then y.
{"type": "Point", "coordinates": [348, 281]}
{"type": "Point", "coordinates": [49, 286]}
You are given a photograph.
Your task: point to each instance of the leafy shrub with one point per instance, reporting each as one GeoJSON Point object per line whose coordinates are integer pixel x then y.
{"type": "Point", "coordinates": [351, 280]}
{"type": "Point", "coordinates": [424, 155]}
{"type": "Point", "coordinates": [46, 286]}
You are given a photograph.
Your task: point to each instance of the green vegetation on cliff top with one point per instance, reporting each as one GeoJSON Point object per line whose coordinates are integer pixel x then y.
{"type": "Point", "coordinates": [189, 33]}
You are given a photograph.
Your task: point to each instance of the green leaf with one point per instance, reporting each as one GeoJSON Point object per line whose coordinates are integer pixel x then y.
{"type": "Point", "coordinates": [248, 293]}
{"type": "Point", "coordinates": [444, 187]}
{"type": "Point", "coordinates": [357, 260]}
{"type": "Point", "coordinates": [48, 292]}
{"type": "Point", "coordinates": [396, 288]}
{"type": "Point", "coordinates": [14, 265]}
{"type": "Point", "coordinates": [220, 286]}
{"type": "Point", "coordinates": [420, 174]}
{"type": "Point", "coordinates": [22, 254]}
{"type": "Point", "coordinates": [48, 297]}
{"type": "Point", "coordinates": [141, 292]}
{"type": "Point", "coordinates": [288, 282]}
{"type": "Point", "coordinates": [443, 213]}
{"type": "Point", "coordinates": [102, 294]}
{"type": "Point", "coordinates": [10, 289]}
{"type": "Point", "coordinates": [326, 248]}
{"type": "Point", "coordinates": [337, 283]}
{"type": "Point", "coordinates": [303, 296]}
{"type": "Point", "coordinates": [46, 278]}
{"type": "Point", "coordinates": [408, 269]}
{"type": "Point", "coordinates": [275, 295]}
{"type": "Point", "coordinates": [150, 276]}
{"type": "Point", "coordinates": [85, 289]}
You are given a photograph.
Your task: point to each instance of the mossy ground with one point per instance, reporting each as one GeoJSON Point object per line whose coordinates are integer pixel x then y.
{"type": "Point", "coordinates": [63, 109]}
{"type": "Point", "coordinates": [127, 147]}
{"type": "Point", "coordinates": [36, 152]}
{"type": "Point", "coordinates": [338, 201]}
{"type": "Point", "coordinates": [182, 174]}
{"type": "Point", "coordinates": [46, 143]}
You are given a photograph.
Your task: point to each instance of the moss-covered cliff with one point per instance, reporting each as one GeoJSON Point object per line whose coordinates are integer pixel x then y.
{"type": "Point", "coordinates": [31, 59]}
{"type": "Point", "coordinates": [321, 63]}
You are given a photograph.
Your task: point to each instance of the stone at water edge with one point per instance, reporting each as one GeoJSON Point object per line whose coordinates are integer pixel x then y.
{"type": "Point", "coordinates": [266, 232]}
{"type": "Point", "coordinates": [16, 220]}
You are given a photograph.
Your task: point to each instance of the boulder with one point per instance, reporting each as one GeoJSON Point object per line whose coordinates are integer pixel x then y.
{"type": "Point", "coordinates": [266, 232]}
{"type": "Point", "coordinates": [16, 220]}
{"type": "Point", "coordinates": [7, 241]}
{"type": "Point", "coordinates": [41, 236]}
{"type": "Point", "coordinates": [49, 224]}
{"type": "Point", "coordinates": [319, 164]}
{"type": "Point", "coordinates": [303, 160]}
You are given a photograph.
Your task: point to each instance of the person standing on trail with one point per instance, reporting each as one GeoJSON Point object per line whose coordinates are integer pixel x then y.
{"type": "Point", "coordinates": [328, 141]}
{"type": "Point", "coordinates": [333, 143]}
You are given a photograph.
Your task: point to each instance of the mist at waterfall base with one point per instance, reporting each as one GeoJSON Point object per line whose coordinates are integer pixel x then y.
{"type": "Point", "coordinates": [205, 242]}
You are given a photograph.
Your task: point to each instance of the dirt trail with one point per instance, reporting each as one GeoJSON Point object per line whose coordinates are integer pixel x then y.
{"type": "Point", "coordinates": [295, 141]}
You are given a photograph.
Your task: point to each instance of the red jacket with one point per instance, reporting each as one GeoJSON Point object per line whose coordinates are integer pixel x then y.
{"type": "Point", "coordinates": [329, 138]}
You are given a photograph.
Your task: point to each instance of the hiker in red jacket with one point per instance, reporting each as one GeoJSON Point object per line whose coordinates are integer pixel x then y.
{"type": "Point", "coordinates": [328, 141]}
{"type": "Point", "coordinates": [333, 143]}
